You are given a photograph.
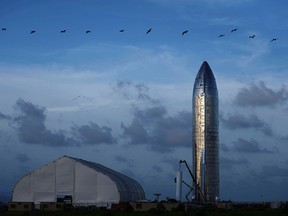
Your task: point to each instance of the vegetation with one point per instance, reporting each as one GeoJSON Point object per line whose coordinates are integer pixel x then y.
{"type": "Point", "coordinates": [155, 212]}
{"type": "Point", "coordinates": [126, 209]}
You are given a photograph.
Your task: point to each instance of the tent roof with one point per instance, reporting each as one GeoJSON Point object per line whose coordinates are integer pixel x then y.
{"type": "Point", "coordinates": [124, 183]}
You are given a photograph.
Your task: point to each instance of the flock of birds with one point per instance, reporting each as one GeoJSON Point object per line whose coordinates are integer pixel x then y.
{"type": "Point", "coordinates": [82, 97]}
{"type": "Point", "coordinates": [149, 31]}
{"type": "Point", "coordinates": [250, 36]}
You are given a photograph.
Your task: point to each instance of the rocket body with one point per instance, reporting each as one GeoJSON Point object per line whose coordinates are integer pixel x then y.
{"type": "Point", "coordinates": [205, 135]}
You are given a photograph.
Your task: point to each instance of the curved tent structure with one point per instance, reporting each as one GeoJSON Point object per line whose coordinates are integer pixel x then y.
{"type": "Point", "coordinates": [88, 183]}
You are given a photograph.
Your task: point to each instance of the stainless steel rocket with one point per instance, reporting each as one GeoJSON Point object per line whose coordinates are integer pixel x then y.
{"type": "Point", "coordinates": [205, 136]}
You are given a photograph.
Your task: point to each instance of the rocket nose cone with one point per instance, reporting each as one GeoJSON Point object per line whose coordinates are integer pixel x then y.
{"type": "Point", "coordinates": [205, 70]}
{"type": "Point", "coordinates": [205, 64]}
{"type": "Point", "coordinates": [205, 77]}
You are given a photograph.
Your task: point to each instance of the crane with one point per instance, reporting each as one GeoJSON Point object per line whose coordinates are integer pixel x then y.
{"type": "Point", "coordinates": [194, 180]}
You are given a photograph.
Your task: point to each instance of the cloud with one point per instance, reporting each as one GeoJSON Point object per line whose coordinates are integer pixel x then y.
{"type": "Point", "coordinates": [135, 132]}
{"type": "Point", "coordinates": [155, 113]}
{"type": "Point", "coordinates": [157, 168]}
{"type": "Point", "coordinates": [258, 95]}
{"type": "Point", "coordinates": [239, 121]}
{"type": "Point", "coordinates": [4, 117]}
{"type": "Point", "coordinates": [223, 147]}
{"type": "Point", "coordinates": [152, 126]}
{"type": "Point", "coordinates": [136, 91]}
{"type": "Point", "coordinates": [124, 160]}
{"type": "Point", "coordinates": [93, 134]}
{"type": "Point", "coordinates": [252, 146]}
{"type": "Point", "coordinates": [22, 158]}
{"type": "Point", "coordinates": [128, 173]}
{"type": "Point", "coordinates": [30, 126]}
{"type": "Point", "coordinates": [273, 171]}
{"type": "Point", "coordinates": [284, 138]}
{"type": "Point", "coordinates": [162, 133]}
{"type": "Point", "coordinates": [172, 162]}
{"type": "Point", "coordinates": [229, 163]}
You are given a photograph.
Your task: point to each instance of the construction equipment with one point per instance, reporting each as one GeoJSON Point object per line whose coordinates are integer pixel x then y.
{"type": "Point", "coordinates": [194, 180]}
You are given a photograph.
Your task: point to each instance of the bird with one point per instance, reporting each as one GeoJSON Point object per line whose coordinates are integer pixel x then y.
{"type": "Point", "coordinates": [185, 32]}
{"type": "Point", "coordinates": [88, 31]}
{"type": "Point", "coordinates": [33, 31]}
{"type": "Point", "coordinates": [274, 39]}
{"type": "Point", "coordinates": [75, 98]}
{"type": "Point", "coordinates": [63, 31]}
{"type": "Point", "coordinates": [121, 30]}
{"type": "Point", "coordinates": [221, 35]}
{"type": "Point", "coordinates": [149, 30]}
{"type": "Point", "coordinates": [4, 29]}
{"type": "Point", "coordinates": [252, 36]}
{"type": "Point", "coordinates": [233, 30]}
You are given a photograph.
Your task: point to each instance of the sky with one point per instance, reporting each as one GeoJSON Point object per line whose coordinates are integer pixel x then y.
{"type": "Point", "coordinates": [124, 98]}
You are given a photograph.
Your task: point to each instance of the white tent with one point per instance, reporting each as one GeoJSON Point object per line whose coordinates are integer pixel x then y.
{"type": "Point", "coordinates": [86, 182]}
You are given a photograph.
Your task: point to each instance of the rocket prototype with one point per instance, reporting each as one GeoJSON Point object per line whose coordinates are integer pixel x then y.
{"type": "Point", "coordinates": [205, 136]}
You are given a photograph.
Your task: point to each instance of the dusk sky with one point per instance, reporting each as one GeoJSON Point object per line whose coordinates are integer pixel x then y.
{"type": "Point", "coordinates": [124, 98]}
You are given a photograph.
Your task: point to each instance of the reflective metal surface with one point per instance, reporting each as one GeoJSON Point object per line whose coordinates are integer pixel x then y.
{"type": "Point", "coordinates": [205, 135]}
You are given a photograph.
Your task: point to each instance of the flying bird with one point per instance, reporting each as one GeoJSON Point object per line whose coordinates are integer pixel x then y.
{"type": "Point", "coordinates": [185, 32]}
{"type": "Point", "coordinates": [88, 31]}
{"type": "Point", "coordinates": [149, 30]}
{"type": "Point", "coordinates": [76, 97]}
{"type": "Point", "coordinates": [121, 30]}
{"type": "Point", "coordinates": [63, 31]}
{"type": "Point", "coordinates": [233, 30]}
{"type": "Point", "coordinates": [252, 36]}
{"type": "Point", "coordinates": [4, 29]}
{"type": "Point", "coordinates": [221, 35]}
{"type": "Point", "coordinates": [274, 39]}
{"type": "Point", "coordinates": [33, 31]}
